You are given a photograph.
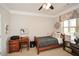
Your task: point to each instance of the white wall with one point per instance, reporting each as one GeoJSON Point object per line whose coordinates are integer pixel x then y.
{"type": "Point", "coordinates": [5, 18]}
{"type": "Point", "coordinates": [36, 25]}
{"type": "Point", "coordinates": [59, 29]}
{"type": "Point", "coordinates": [0, 33]}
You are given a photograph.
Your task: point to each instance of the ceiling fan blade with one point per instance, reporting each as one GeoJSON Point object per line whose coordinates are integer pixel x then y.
{"type": "Point", "coordinates": [51, 7]}
{"type": "Point", "coordinates": [40, 8]}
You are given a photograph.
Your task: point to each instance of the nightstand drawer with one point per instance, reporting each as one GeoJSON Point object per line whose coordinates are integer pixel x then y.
{"type": "Point", "coordinates": [13, 42]}
{"type": "Point", "coordinates": [13, 49]}
{"type": "Point", "coordinates": [14, 45]}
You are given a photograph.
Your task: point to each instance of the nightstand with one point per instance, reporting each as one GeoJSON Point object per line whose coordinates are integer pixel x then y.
{"type": "Point", "coordinates": [67, 46]}
{"type": "Point", "coordinates": [13, 45]}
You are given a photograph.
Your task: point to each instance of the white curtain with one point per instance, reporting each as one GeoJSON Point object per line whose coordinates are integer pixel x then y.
{"type": "Point", "coordinates": [70, 15]}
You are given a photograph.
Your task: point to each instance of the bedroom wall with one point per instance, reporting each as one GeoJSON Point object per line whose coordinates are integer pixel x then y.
{"type": "Point", "coordinates": [5, 18]}
{"type": "Point", "coordinates": [0, 33]}
{"type": "Point", "coordinates": [60, 26]}
{"type": "Point", "coordinates": [34, 25]}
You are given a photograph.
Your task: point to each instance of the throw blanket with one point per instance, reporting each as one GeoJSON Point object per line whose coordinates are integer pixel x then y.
{"type": "Point", "coordinates": [47, 40]}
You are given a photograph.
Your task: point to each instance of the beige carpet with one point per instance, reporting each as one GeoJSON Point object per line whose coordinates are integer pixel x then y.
{"type": "Point", "coordinates": [33, 52]}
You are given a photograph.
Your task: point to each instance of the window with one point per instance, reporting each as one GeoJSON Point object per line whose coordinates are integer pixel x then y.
{"type": "Point", "coordinates": [69, 26]}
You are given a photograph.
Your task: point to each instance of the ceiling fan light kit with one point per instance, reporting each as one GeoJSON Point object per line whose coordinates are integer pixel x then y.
{"type": "Point", "coordinates": [46, 6]}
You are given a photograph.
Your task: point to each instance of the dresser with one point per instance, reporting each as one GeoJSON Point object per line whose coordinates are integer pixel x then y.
{"type": "Point", "coordinates": [24, 42]}
{"type": "Point", "coordinates": [17, 44]}
{"type": "Point", "coordinates": [13, 45]}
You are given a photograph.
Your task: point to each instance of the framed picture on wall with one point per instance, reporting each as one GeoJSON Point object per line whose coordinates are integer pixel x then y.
{"type": "Point", "coordinates": [57, 25]}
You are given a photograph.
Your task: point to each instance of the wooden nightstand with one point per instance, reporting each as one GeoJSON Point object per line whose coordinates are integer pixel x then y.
{"type": "Point", "coordinates": [24, 42]}
{"type": "Point", "coordinates": [67, 46]}
{"type": "Point", "coordinates": [13, 45]}
{"type": "Point", "coordinates": [17, 44]}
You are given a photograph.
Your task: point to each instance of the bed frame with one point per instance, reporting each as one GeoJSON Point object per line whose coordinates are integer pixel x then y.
{"type": "Point", "coordinates": [39, 49]}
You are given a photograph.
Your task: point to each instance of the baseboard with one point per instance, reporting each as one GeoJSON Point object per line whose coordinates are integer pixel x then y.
{"type": "Point", "coordinates": [3, 54]}
{"type": "Point", "coordinates": [0, 53]}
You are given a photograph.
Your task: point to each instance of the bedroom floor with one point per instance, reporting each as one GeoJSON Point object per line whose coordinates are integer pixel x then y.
{"type": "Point", "coordinates": [33, 52]}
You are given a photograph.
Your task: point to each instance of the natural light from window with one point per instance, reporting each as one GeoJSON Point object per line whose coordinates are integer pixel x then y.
{"type": "Point", "coordinates": [70, 26]}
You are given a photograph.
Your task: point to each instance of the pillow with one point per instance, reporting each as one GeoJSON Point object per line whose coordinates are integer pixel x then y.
{"type": "Point", "coordinates": [57, 35]}
{"type": "Point", "coordinates": [68, 37]}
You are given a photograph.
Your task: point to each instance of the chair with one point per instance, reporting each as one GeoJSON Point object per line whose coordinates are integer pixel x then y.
{"type": "Point", "coordinates": [24, 43]}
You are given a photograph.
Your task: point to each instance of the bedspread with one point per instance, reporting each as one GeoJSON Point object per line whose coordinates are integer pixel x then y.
{"type": "Point", "coordinates": [47, 40]}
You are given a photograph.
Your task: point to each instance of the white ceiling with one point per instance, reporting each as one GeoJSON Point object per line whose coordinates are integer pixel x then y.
{"type": "Point", "coordinates": [33, 8]}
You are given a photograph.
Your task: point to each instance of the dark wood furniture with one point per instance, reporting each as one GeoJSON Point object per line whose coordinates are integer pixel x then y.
{"type": "Point", "coordinates": [75, 49]}
{"type": "Point", "coordinates": [39, 49]}
{"type": "Point", "coordinates": [32, 44]}
{"type": "Point", "coordinates": [67, 47]}
{"type": "Point", "coordinates": [24, 42]}
{"type": "Point", "coordinates": [13, 45]}
{"type": "Point", "coordinates": [66, 44]}
{"type": "Point", "coordinates": [17, 44]}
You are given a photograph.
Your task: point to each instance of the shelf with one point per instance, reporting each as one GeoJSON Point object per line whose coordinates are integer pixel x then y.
{"type": "Point", "coordinates": [67, 47]}
{"type": "Point", "coordinates": [69, 50]}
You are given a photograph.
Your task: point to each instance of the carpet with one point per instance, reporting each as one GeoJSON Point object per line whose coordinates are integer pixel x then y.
{"type": "Point", "coordinates": [33, 52]}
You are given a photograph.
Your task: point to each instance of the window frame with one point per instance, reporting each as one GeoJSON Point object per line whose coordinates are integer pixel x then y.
{"type": "Point", "coordinates": [69, 26]}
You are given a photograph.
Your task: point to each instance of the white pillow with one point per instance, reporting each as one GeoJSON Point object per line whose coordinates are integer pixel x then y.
{"type": "Point", "coordinates": [60, 41]}
{"type": "Point", "coordinates": [57, 35]}
{"type": "Point", "coordinates": [72, 39]}
{"type": "Point", "coordinates": [67, 37]}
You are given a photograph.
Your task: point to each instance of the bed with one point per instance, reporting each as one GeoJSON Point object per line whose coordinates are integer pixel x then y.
{"type": "Point", "coordinates": [46, 42]}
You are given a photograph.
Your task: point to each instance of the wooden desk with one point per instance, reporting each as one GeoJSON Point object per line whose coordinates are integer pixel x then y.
{"type": "Point", "coordinates": [24, 41]}
{"type": "Point", "coordinates": [13, 46]}
{"type": "Point", "coordinates": [16, 45]}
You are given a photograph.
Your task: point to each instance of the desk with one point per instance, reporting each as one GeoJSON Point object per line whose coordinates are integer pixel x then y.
{"type": "Point", "coordinates": [24, 41]}
{"type": "Point", "coordinates": [13, 45]}
{"type": "Point", "coordinates": [17, 44]}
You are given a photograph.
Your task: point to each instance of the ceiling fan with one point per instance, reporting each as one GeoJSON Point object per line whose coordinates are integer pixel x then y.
{"type": "Point", "coordinates": [46, 6]}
